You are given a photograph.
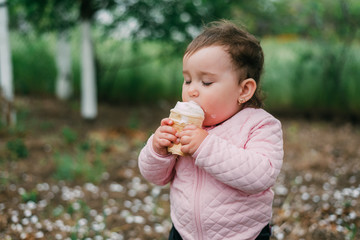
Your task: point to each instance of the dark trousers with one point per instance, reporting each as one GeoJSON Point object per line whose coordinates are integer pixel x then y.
{"type": "Point", "coordinates": [264, 234]}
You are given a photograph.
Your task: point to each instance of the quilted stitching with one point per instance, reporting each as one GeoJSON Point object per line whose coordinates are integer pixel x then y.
{"type": "Point", "coordinates": [238, 163]}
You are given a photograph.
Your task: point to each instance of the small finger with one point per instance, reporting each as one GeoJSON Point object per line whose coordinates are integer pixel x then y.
{"type": "Point", "coordinates": [170, 137]}
{"type": "Point", "coordinates": [168, 129]}
{"type": "Point", "coordinates": [190, 127]}
{"type": "Point", "coordinates": [185, 149]}
{"type": "Point", "coordinates": [165, 143]}
{"type": "Point", "coordinates": [167, 121]}
{"type": "Point", "coordinates": [184, 140]}
{"type": "Point", "coordinates": [184, 133]}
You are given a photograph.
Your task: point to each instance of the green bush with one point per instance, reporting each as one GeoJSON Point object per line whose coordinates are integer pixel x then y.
{"type": "Point", "coordinates": [137, 73]}
{"type": "Point", "coordinates": [33, 64]}
{"type": "Point", "coordinates": [18, 148]}
{"type": "Point", "coordinates": [312, 77]}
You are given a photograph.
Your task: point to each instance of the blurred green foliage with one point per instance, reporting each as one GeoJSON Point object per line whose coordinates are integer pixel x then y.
{"type": "Point", "coordinates": [18, 148]}
{"type": "Point", "coordinates": [178, 20]}
{"type": "Point", "coordinates": [69, 135]}
{"type": "Point", "coordinates": [311, 48]}
{"type": "Point", "coordinates": [78, 166]}
{"type": "Point", "coordinates": [32, 196]}
{"type": "Point", "coordinates": [312, 77]}
{"type": "Point", "coordinates": [83, 164]}
{"type": "Point", "coordinates": [33, 63]}
{"type": "Point", "coordinates": [136, 76]}
{"type": "Point", "coordinates": [301, 76]}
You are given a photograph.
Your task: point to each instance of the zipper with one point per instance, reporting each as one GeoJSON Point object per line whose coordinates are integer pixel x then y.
{"type": "Point", "coordinates": [197, 204]}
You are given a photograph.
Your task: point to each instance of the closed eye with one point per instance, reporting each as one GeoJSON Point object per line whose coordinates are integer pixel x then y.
{"type": "Point", "coordinates": [187, 82]}
{"type": "Point", "coordinates": [207, 83]}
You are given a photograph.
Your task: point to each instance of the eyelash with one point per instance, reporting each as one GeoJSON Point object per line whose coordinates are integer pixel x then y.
{"type": "Point", "coordinates": [203, 83]}
{"type": "Point", "coordinates": [206, 83]}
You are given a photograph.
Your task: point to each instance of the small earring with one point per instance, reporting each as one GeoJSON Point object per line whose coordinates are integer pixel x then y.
{"type": "Point", "coordinates": [241, 101]}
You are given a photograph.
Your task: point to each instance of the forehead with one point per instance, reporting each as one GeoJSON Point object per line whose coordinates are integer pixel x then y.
{"type": "Point", "coordinates": [195, 49]}
{"type": "Point", "coordinates": [207, 52]}
{"type": "Point", "coordinates": [213, 59]}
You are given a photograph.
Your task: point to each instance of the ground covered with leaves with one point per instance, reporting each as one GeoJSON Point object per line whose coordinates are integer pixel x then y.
{"type": "Point", "coordinates": [65, 178]}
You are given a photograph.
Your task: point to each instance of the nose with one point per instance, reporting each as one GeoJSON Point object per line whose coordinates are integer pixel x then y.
{"type": "Point", "coordinates": [193, 92]}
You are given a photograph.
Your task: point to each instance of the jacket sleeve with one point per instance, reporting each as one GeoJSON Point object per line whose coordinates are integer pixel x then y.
{"type": "Point", "coordinates": [154, 167]}
{"type": "Point", "coordinates": [250, 169]}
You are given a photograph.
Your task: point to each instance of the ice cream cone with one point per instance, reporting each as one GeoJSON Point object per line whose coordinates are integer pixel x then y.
{"type": "Point", "coordinates": [181, 119]}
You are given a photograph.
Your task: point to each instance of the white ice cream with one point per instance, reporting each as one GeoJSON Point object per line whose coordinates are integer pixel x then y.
{"type": "Point", "coordinates": [188, 109]}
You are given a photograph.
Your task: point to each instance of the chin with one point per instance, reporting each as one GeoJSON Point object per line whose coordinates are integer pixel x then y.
{"type": "Point", "coordinates": [209, 123]}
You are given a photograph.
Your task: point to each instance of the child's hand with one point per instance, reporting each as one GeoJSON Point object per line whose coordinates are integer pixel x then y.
{"type": "Point", "coordinates": [190, 138]}
{"type": "Point", "coordinates": [164, 136]}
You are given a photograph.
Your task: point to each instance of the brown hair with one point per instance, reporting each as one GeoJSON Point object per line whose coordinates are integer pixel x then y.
{"type": "Point", "coordinates": [244, 49]}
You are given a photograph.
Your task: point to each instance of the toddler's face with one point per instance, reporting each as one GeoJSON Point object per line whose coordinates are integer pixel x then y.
{"type": "Point", "coordinates": [211, 80]}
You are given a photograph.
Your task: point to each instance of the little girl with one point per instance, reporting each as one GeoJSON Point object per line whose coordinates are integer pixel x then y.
{"type": "Point", "coordinates": [221, 188]}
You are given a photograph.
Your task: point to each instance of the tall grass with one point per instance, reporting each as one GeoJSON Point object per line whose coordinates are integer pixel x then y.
{"type": "Point", "coordinates": [300, 75]}
{"type": "Point", "coordinates": [312, 77]}
{"type": "Point", "coordinates": [33, 64]}
{"type": "Point", "coordinates": [139, 75]}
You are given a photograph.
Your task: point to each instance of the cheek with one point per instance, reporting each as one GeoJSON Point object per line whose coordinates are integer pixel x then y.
{"type": "Point", "coordinates": [219, 109]}
{"type": "Point", "coordinates": [213, 110]}
{"type": "Point", "coordinates": [183, 95]}
{"type": "Point", "coordinates": [214, 102]}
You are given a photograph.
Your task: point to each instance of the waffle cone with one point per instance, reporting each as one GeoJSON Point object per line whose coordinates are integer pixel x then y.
{"type": "Point", "coordinates": [180, 121]}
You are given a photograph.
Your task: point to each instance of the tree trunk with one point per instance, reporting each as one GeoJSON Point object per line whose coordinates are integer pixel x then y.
{"type": "Point", "coordinates": [64, 88]}
{"type": "Point", "coordinates": [88, 83]}
{"type": "Point", "coordinates": [6, 77]}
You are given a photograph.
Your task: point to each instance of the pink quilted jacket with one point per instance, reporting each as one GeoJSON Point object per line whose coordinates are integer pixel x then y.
{"type": "Point", "coordinates": [223, 190]}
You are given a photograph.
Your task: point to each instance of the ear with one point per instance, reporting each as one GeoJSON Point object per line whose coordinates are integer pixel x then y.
{"type": "Point", "coordinates": [247, 89]}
